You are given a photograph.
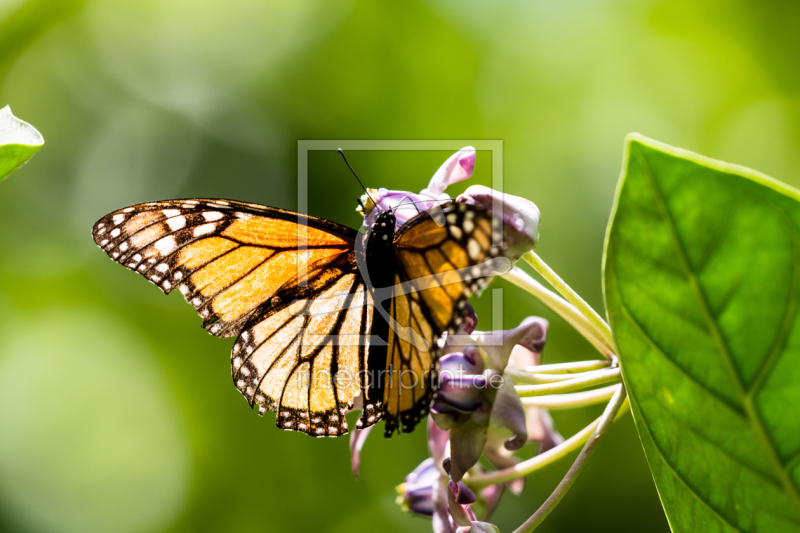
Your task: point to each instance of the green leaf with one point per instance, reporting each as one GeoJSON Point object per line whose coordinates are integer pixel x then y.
{"type": "Point", "coordinates": [18, 142]}
{"type": "Point", "coordinates": [701, 280]}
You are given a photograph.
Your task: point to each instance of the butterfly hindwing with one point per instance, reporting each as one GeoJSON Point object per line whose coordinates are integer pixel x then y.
{"type": "Point", "coordinates": [304, 359]}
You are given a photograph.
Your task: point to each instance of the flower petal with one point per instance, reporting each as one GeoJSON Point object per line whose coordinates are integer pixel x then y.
{"type": "Point", "coordinates": [438, 444]}
{"type": "Point", "coordinates": [528, 351]}
{"type": "Point", "coordinates": [406, 205]}
{"type": "Point", "coordinates": [461, 517]}
{"type": "Point", "coordinates": [463, 495]}
{"type": "Point", "coordinates": [456, 365]}
{"type": "Point", "coordinates": [530, 331]}
{"type": "Point", "coordinates": [357, 439]}
{"type": "Point", "coordinates": [466, 445]}
{"type": "Point", "coordinates": [541, 429]}
{"type": "Point", "coordinates": [441, 511]}
{"type": "Point", "coordinates": [516, 212]}
{"type": "Point", "coordinates": [458, 167]}
{"type": "Point", "coordinates": [508, 412]}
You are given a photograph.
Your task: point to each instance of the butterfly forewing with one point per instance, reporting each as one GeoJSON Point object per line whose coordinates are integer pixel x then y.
{"type": "Point", "coordinates": [442, 259]}
{"type": "Point", "coordinates": [227, 258]}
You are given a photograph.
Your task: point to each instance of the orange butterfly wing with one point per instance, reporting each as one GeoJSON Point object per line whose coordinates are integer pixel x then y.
{"type": "Point", "coordinates": [443, 258]}
{"type": "Point", "coordinates": [227, 258]}
{"type": "Point", "coordinates": [286, 284]}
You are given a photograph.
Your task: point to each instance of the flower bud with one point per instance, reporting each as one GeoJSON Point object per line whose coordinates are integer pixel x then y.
{"type": "Point", "coordinates": [416, 494]}
{"type": "Point", "coordinates": [520, 216]}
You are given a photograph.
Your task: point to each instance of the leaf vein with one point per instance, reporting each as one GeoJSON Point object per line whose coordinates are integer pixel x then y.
{"type": "Point", "coordinates": [672, 362]}
{"type": "Point", "coordinates": [683, 481]}
{"type": "Point", "coordinates": [752, 414]}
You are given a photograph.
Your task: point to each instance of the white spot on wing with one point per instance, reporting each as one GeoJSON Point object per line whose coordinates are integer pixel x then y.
{"type": "Point", "coordinates": [176, 223]}
{"type": "Point", "coordinates": [473, 249]}
{"type": "Point", "coordinates": [118, 219]}
{"type": "Point", "coordinates": [115, 232]}
{"type": "Point", "coordinates": [211, 216]}
{"type": "Point", "coordinates": [166, 245]}
{"type": "Point", "coordinates": [205, 229]}
{"type": "Point", "coordinates": [171, 212]}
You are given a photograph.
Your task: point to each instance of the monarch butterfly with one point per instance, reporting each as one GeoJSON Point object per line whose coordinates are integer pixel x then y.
{"type": "Point", "coordinates": [321, 312]}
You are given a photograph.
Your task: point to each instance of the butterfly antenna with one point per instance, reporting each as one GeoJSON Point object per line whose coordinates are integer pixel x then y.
{"type": "Point", "coordinates": [436, 201]}
{"type": "Point", "coordinates": [346, 162]}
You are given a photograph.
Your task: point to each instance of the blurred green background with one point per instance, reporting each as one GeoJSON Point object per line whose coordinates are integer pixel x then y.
{"type": "Point", "coordinates": [116, 410]}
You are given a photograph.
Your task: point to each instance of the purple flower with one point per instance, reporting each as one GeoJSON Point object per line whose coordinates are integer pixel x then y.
{"type": "Point", "coordinates": [417, 493]}
{"type": "Point", "coordinates": [518, 214]}
{"type": "Point", "coordinates": [429, 492]}
{"type": "Point", "coordinates": [357, 438]}
{"type": "Point", "coordinates": [538, 422]}
{"type": "Point", "coordinates": [475, 400]}
{"type": "Point", "coordinates": [407, 204]}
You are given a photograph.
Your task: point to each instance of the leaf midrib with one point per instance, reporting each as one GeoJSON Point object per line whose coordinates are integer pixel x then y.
{"type": "Point", "coordinates": [754, 418]}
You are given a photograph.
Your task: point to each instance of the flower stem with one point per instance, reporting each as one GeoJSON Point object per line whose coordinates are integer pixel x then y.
{"type": "Point", "coordinates": [521, 377]}
{"type": "Point", "coordinates": [566, 310]}
{"type": "Point", "coordinates": [604, 422]}
{"type": "Point", "coordinates": [567, 368]}
{"type": "Point", "coordinates": [571, 400]}
{"type": "Point", "coordinates": [572, 297]}
{"type": "Point", "coordinates": [598, 377]}
{"type": "Point", "coordinates": [538, 462]}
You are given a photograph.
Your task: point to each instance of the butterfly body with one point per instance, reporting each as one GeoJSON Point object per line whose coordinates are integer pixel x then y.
{"type": "Point", "coordinates": [321, 314]}
{"type": "Point", "coordinates": [380, 267]}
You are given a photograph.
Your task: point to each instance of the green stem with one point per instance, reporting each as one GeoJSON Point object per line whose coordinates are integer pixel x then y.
{"type": "Point", "coordinates": [522, 377]}
{"type": "Point", "coordinates": [533, 464]}
{"type": "Point", "coordinates": [570, 400]}
{"type": "Point", "coordinates": [598, 377]}
{"type": "Point", "coordinates": [572, 297]}
{"type": "Point", "coordinates": [567, 368]}
{"type": "Point", "coordinates": [604, 422]}
{"type": "Point", "coordinates": [566, 310]}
